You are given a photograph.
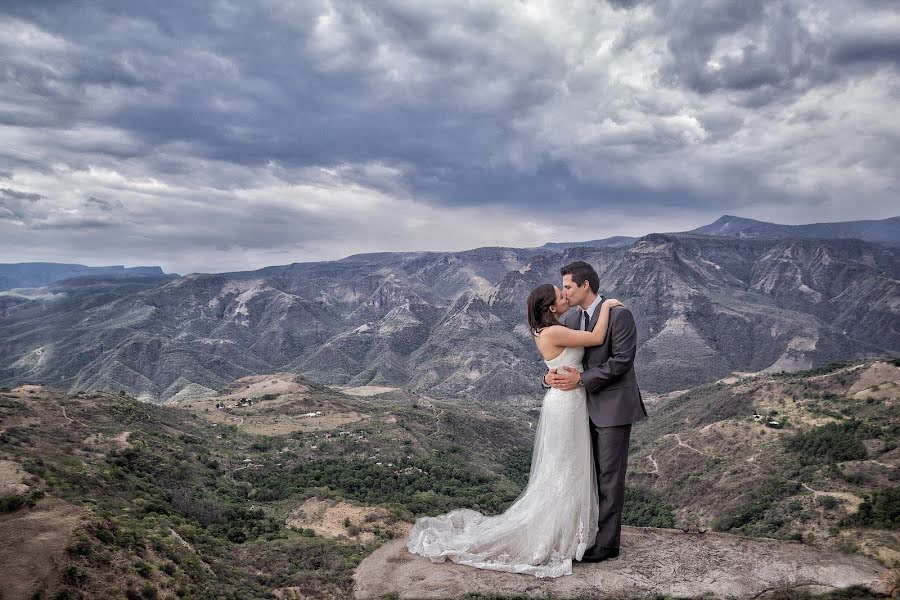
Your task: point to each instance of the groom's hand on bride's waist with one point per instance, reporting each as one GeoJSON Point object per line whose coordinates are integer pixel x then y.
{"type": "Point", "coordinates": [565, 379]}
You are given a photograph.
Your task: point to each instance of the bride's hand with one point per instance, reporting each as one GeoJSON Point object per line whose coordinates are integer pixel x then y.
{"type": "Point", "coordinates": [612, 303]}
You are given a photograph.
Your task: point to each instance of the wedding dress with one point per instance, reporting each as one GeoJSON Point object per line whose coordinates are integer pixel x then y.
{"type": "Point", "coordinates": [554, 519]}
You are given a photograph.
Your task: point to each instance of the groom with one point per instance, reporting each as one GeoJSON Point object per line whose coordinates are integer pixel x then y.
{"type": "Point", "coordinates": [613, 398]}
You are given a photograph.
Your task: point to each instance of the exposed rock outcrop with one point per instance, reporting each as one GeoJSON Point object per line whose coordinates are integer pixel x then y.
{"type": "Point", "coordinates": [654, 562]}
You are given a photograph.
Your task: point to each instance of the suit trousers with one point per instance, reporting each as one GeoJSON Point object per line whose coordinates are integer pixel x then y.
{"type": "Point", "coordinates": [610, 448]}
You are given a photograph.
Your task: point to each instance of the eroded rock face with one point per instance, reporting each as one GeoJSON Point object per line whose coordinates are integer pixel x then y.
{"type": "Point", "coordinates": [451, 324]}
{"type": "Point", "coordinates": [653, 562]}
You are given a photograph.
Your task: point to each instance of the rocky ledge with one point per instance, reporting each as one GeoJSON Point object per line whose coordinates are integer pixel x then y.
{"type": "Point", "coordinates": [654, 562]}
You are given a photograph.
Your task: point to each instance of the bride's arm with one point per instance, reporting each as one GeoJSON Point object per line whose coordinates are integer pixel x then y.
{"type": "Point", "coordinates": [559, 335]}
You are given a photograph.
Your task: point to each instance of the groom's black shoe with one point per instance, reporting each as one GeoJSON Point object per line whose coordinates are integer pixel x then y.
{"type": "Point", "coordinates": [596, 554]}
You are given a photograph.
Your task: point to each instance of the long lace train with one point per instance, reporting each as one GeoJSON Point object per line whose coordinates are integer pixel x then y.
{"type": "Point", "coordinates": [552, 521]}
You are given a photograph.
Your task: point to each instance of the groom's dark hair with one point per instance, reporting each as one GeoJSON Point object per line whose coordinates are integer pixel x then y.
{"type": "Point", "coordinates": [581, 272]}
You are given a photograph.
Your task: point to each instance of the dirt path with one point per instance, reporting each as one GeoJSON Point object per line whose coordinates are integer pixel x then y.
{"type": "Point", "coordinates": [70, 419]}
{"type": "Point", "coordinates": [437, 420]}
{"type": "Point", "coordinates": [187, 545]}
{"type": "Point", "coordinates": [852, 499]}
{"type": "Point", "coordinates": [655, 470]}
{"type": "Point", "coordinates": [250, 466]}
{"type": "Point", "coordinates": [881, 464]}
{"type": "Point", "coordinates": [685, 445]}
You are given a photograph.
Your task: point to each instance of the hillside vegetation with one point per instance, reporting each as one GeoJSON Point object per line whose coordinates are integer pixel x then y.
{"type": "Point", "coordinates": [818, 463]}
{"type": "Point", "coordinates": [278, 486]}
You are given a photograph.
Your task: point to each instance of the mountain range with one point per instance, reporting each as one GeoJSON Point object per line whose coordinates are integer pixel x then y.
{"type": "Point", "coordinates": [884, 231]}
{"type": "Point", "coordinates": [451, 324]}
{"type": "Point", "coordinates": [35, 274]}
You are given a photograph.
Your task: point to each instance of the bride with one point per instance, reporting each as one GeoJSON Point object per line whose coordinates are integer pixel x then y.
{"type": "Point", "coordinates": [555, 518]}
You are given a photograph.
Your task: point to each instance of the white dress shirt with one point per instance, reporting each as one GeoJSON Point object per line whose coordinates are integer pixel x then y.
{"type": "Point", "coordinates": [590, 310]}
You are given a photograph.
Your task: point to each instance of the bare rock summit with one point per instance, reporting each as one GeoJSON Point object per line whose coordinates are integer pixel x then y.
{"type": "Point", "coordinates": [654, 562]}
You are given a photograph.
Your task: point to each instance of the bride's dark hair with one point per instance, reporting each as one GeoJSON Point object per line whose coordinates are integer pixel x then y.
{"type": "Point", "coordinates": [540, 300]}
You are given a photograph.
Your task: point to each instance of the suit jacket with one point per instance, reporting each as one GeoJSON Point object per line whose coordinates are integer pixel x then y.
{"type": "Point", "coordinates": [613, 396]}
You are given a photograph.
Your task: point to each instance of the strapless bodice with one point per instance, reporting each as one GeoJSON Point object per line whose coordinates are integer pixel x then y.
{"type": "Point", "coordinates": [570, 357]}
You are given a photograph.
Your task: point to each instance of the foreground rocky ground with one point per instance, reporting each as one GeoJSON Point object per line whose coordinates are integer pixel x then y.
{"type": "Point", "coordinates": [654, 563]}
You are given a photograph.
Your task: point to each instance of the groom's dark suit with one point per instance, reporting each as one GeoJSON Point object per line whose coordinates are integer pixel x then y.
{"type": "Point", "coordinates": [614, 403]}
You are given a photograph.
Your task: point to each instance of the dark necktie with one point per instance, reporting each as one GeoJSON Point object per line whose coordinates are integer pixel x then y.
{"type": "Point", "coordinates": [587, 321]}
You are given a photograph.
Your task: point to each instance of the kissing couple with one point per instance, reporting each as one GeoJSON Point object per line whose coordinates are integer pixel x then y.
{"type": "Point", "coordinates": [571, 508]}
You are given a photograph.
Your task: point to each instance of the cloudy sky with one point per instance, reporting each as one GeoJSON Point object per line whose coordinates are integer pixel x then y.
{"type": "Point", "coordinates": [233, 134]}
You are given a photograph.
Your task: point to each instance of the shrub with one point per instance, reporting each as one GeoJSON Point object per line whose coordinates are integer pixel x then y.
{"type": "Point", "coordinates": [880, 510]}
{"type": "Point", "coordinates": [750, 517]}
{"type": "Point", "coordinates": [442, 481]}
{"type": "Point", "coordinates": [643, 509]}
{"type": "Point", "coordinates": [132, 594]}
{"type": "Point", "coordinates": [73, 575]}
{"type": "Point", "coordinates": [11, 503]}
{"type": "Point", "coordinates": [828, 502]}
{"type": "Point", "coordinates": [262, 445]}
{"type": "Point", "coordinates": [517, 465]}
{"type": "Point", "coordinates": [149, 592]}
{"type": "Point", "coordinates": [81, 547]}
{"type": "Point", "coordinates": [236, 535]}
{"type": "Point", "coordinates": [14, 502]}
{"type": "Point", "coordinates": [830, 443]}
{"type": "Point", "coordinates": [143, 569]}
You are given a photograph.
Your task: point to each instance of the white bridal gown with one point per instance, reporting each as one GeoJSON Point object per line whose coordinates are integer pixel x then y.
{"type": "Point", "coordinates": [554, 519]}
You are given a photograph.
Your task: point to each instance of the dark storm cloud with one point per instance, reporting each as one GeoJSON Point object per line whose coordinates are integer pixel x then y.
{"type": "Point", "coordinates": [161, 112]}
{"type": "Point", "coordinates": [251, 87]}
{"type": "Point", "coordinates": [17, 195]}
{"type": "Point", "coordinates": [784, 56]}
{"type": "Point", "coordinates": [624, 3]}
{"type": "Point", "coordinates": [17, 206]}
{"type": "Point", "coordinates": [884, 49]}
{"type": "Point", "coordinates": [774, 47]}
{"type": "Point", "coordinates": [104, 205]}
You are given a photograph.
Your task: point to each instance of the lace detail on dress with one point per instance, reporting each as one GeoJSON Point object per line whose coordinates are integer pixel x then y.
{"type": "Point", "coordinates": [553, 520]}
